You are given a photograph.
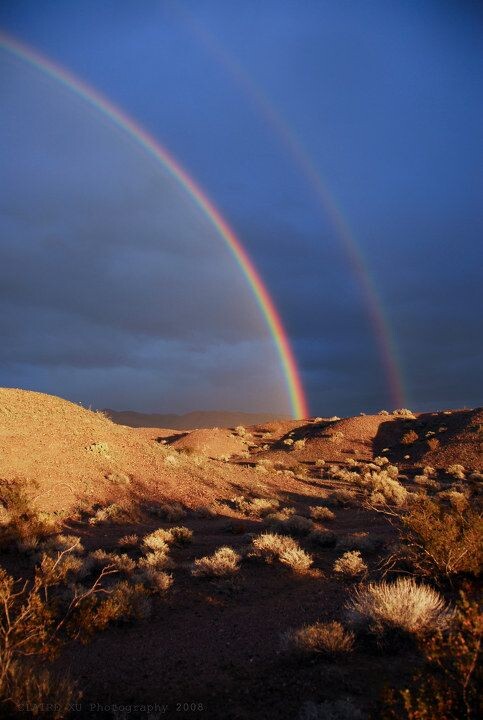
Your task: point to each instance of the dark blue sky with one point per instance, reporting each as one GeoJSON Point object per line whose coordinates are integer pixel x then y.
{"type": "Point", "coordinates": [386, 99]}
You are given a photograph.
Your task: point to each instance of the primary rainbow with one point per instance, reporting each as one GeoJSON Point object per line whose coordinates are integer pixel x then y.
{"type": "Point", "coordinates": [295, 389]}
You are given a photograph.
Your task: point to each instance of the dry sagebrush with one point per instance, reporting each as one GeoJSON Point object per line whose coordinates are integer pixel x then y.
{"type": "Point", "coordinates": [400, 605]}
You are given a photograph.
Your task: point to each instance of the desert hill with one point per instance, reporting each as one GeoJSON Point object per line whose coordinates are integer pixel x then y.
{"type": "Point", "coordinates": [188, 421]}
{"type": "Point", "coordinates": [234, 553]}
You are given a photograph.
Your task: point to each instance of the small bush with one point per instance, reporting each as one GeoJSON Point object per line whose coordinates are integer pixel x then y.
{"type": "Point", "coordinates": [270, 545]}
{"type": "Point", "coordinates": [401, 605]}
{"type": "Point", "coordinates": [157, 540]}
{"type": "Point", "coordinates": [433, 443]}
{"type": "Point", "coordinates": [224, 561]}
{"type": "Point", "coordinates": [350, 564]}
{"type": "Point", "coordinates": [441, 540]}
{"type": "Point", "coordinates": [342, 498]}
{"type": "Point", "coordinates": [129, 541]}
{"type": "Point", "coordinates": [329, 638]}
{"type": "Point", "coordinates": [158, 559]}
{"type": "Point", "coordinates": [449, 686]}
{"type": "Point", "coordinates": [409, 437]}
{"type": "Point", "coordinates": [457, 471]}
{"type": "Point", "coordinates": [297, 560]}
{"type": "Point", "coordinates": [256, 507]}
{"type": "Point", "coordinates": [319, 512]}
{"type": "Point", "coordinates": [404, 413]}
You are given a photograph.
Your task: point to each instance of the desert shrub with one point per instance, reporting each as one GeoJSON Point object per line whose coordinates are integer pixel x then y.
{"type": "Point", "coordinates": [256, 507]}
{"type": "Point", "coordinates": [32, 620]}
{"type": "Point", "coordinates": [125, 602]}
{"type": "Point", "coordinates": [456, 471]}
{"type": "Point", "coordinates": [382, 487]}
{"type": "Point", "coordinates": [59, 543]}
{"type": "Point", "coordinates": [113, 513]}
{"type": "Point", "coordinates": [129, 541]}
{"type": "Point", "coordinates": [336, 437]}
{"type": "Point", "coordinates": [288, 441]}
{"type": "Point", "coordinates": [319, 512]}
{"type": "Point", "coordinates": [383, 412]}
{"type": "Point", "coordinates": [20, 523]}
{"type": "Point", "coordinates": [181, 535]}
{"type": "Point", "coordinates": [224, 561]}
{"type": "Point", "coordinates": [270, 545]}
{"type": "Point", "coordinates": [457, 500]}
{"type": "Point", "coordinates": [409, 437]}
{"type": "Point", "coordinates": [340, 709]}
{"type": "Point", "coordinates": [298, 445]}
{"type": "Point", "coordinates": [296, 559]}
{"type": "Point", "coordinates": [121, 563]}
{"type": "Point", "coordinates": [330, 638]}
{"type": "Point", "coordinates": [319, 463]}
{"type": "Point", "coordinates": [350, 564]}
{"type": "Point", "coordinates": [433, 443]}
{"type": "Point", "coordinates": [280, 515]}
{"type": "Point", "coordinates": [404, 413]}
{"type": "Point", "coordinates": [99, 448]}
{"type": "Point", "coordinates": [156, 580]}
{"type": "Point", "coordinates": [400, 605]}
{"type": "Point", "coordinates": [441, 540]}
{"type": "Point", "coordinates": [427, 482]}
{"type": "Point", "coordinates": [448, 687]}
{"type": "Point", "coordinates": [323, 538]}
{"type": "Point", "coordinates": [161, 538]}
{"type": "Point", "coordinates": [158, 559]}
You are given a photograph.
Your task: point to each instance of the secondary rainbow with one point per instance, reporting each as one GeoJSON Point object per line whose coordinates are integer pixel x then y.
{"type": "Point", "coordinates": [375, 310]}
{"type": "Point", "coordinates": [295, 389]}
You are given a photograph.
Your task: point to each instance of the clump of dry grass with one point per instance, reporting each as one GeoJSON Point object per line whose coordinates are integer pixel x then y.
{"type": "Point", "coordinates": [255, 507]}
{"type": "Point", "coordinates": [330, 638]}
{"type": "Point", "coordinates": [224, 562]}
{"type": "Point", "coordinates": [121, 563]}
{"type": "Point", "coordinates": [342, 498]}
{"type": "Point", "coordinates": [129, 541]}
{"type": "Point", "coordinates": [285, 549]}
{"type": "Point", "coordinates": [159, 539]}
{"type": "Point", "coordinates": [350, 564]}
{"type": "Point", "coordinates": [320, 512]}
{"type": "Point", "coordinates": [457, 471]}
{"type": "Point", "coordinates": [297, 560]}
{"type": "Point", "coordinates": [409, 437]}
{"type": "Point", "coordinates": [457, 500]}
{"type": "Point", "coordinates": [158, 559]}
{"type": "Point", "coordinates": [113, 513]}
{"type": "Point", "coordinates": [20, 523]}
{"type": "Point", "coordinates": [404, 413]}
{"type": "Point", "coordinates": [271, 545]}
{"type": "Point", "coordinates": [401, 605]}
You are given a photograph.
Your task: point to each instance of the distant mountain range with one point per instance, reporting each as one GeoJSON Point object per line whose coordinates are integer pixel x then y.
{"type": "Point", "coordinates": [189, 421]}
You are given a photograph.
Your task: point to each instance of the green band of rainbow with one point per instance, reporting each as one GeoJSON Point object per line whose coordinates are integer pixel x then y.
{"type": "Point", "coordinates": [291, 374]}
